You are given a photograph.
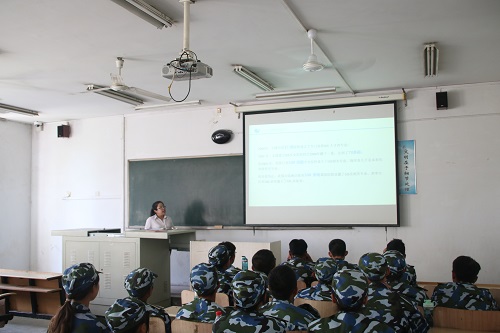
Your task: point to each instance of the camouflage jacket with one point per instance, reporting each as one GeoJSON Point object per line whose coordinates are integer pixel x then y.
{"type": "Point", "coordinates": [349, 322]}
{"type": "Point", "coordinates": [414, 293]}
{"type": "Point", "coordinates": [393, 309]}
{"type": "Point", "coordinates": [463, 296]}
{"type": "Point", "coordinates": [239, 321]}
{"type": "Point", "coordinates": [296, 319]}
{"type": "Point", "coordinates": [199, 309]}
{"type": "Point", "coordinates": [410, 274]}
{"type": "Point", "coordinates": [232, 271]}
{"type": "Point", "coordinates": [85, 321]}
{"type": "Point", "coordinates": [225, 285]}
{"type": "Point", "coordinates": [156, 311]}
{"type": "Point", "coordinates": [342, 263]}
{"type": "Point", "coordinates": [320, 292]}
{"type": "Point", "coordinates": [303, 269]}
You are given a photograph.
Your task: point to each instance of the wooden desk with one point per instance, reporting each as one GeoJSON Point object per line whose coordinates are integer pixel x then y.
{"type": "Point", "coordinates": [37, 294]}
{"type": "Point", "coordinates": [452, 330]}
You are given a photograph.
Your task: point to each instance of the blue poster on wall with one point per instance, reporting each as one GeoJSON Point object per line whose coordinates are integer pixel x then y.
{"type": "Point", "coordinates": [406, 164]}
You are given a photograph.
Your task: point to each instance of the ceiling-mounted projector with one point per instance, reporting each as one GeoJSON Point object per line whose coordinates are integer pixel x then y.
{"type": "Point", "coordinates": [186, 69]}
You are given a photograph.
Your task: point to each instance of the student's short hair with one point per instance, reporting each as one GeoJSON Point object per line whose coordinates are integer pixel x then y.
{"type": "Point", "coordinates": [298, 247]}
{"type": "Point", "coordinates": [230, 247]}
{"type": "Point", "coordinates": [263, 261]}
{"type": "Point", "coordinates": [337, 247]}
{"type": "Point", "coordinates": [466, 269]}
{"type": "Point", "coordinates": [398, 245]}
{"type": "Point", "coordinates": [282, 282]}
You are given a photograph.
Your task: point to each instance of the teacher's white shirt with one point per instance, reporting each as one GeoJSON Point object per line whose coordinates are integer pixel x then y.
{"type": "Point", "coordinates": [155, 223]}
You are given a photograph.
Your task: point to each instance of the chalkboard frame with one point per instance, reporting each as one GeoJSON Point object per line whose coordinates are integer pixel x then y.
{"type": "Point", "coordinates": [214, 196]}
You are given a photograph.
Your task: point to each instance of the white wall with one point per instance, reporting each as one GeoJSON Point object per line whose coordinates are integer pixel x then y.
{"type": "Point", "coordinates": [15, 198]}
{"type": "Point", "coordinates": [454, 213]}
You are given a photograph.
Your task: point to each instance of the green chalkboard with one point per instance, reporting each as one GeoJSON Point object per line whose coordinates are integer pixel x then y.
{"type": "Point", "coordinates": [197, 192]}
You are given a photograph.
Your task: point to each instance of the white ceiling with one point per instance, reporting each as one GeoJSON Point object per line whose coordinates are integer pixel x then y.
{"type": "Point", "coordinates": [49, 49]}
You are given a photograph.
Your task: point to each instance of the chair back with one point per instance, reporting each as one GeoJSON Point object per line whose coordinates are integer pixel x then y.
{"type": "Point", "coordinates": [325, 308]}
{"type": "Point", "coordinates": [472, 320]}
{"type": "Point", "coordinates": [156, 325]}
{"type": "Point", "coordinates": [220, 298]}
{"type": "Point", "coordinates": [186, 326]}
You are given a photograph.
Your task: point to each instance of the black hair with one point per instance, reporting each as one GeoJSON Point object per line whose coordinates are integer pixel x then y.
{"type": "Point", "coordinates": [263, 261]}
{"type": "Point", "coordinates": [337, 247]}
{"type": "Point", "coordinates": [398, 245]}
{"type": "Point", "coordinates": [230, 248]}
{"type": "Point", "coordinates": [154, 207]}
{"type": "Point", "coordinates": [298, 247]}
{"type": "Point", "coordinates": [466, 269]}
{"type": "Point", "coordinates": [282, 282]}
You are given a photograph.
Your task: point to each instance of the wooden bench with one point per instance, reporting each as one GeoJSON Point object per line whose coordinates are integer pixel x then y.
{"type": "Point", "coordinates": [467, 319]}
{"type": "Point", "coordinates": [37, 294]}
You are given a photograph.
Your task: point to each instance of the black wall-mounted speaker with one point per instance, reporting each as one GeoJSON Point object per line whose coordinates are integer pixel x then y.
{"type": "Point", "coordinates": [63, 131]}
{"type": "Point", "coordinates": [442, 100]}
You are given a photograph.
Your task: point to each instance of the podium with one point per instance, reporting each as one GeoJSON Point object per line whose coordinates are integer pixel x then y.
{"type": "Point", "coordinates": [116, 254]}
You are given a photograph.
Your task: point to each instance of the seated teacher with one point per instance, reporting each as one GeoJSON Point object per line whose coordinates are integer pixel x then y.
{"type": "Point", "coordinates": [158, 220]}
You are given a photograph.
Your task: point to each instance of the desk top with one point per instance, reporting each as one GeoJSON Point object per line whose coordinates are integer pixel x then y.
{"type": "Point", "coordinates": [29, 274]}
{"type": "Point", "coordinates": [159, 234]}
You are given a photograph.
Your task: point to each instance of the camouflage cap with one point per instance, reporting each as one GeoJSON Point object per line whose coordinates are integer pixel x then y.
{"type": "Point", "coordinates": [218, 255]}
{"type": "Point", "coordinates": [325, 269]}
{"type": "Point", "coordinates": [204, 279]}
{"type": "Point", "coordinates": [396, 261]}
{"type": "Point", "coordinates": [373, 265]}
{"type": "Point", "coordinates": [248, 289]}
{"type": "Point", "coordinates": [138, 282]}
{"type": "Point", "coordinates": [78, 278]}
{"type": "Point", "coordinates": [350, 288]}
{"type": "Point", "coordinates": [126, 314]}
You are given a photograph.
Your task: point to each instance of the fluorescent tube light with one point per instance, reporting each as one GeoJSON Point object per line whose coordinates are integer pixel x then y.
{"type": "Point", "coordinates": [16, 109]}
{"type": "Point", "coordinates": [120, 96]}
{"type": "Point", "coordinates": [431, 58]}
{"type": "Point", "coordinates": [297, 93]}
{"type": "Point", "coordinates": [146, 12]}
{"type": "Point", "coordinates": [253, 78]}
{"type": "Point", "coordinates": [169, 105]}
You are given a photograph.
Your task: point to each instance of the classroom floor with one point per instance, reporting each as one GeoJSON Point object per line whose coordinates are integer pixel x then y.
{"type": "Point", "coordinates": [25, 325]}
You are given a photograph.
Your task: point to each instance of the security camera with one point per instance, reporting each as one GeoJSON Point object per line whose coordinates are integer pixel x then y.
{"type": "Point", "coordinates": [38, 125]}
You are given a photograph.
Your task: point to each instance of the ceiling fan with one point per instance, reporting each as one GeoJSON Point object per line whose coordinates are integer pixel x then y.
{"type": "Point", "coordinates": [118, 85]}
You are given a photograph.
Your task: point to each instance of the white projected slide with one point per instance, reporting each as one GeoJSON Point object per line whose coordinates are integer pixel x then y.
{"type": "Point", "coordinates": [328, 166]}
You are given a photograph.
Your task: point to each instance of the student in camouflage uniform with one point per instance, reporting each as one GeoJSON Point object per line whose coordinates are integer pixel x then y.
{"type": "Point", "coordinates": [386, 305]}
{"type": "Point", "coordinates": [283, 287]}
{"type": "Point", "coordinates": [128, 315]}
{"type": "Point", "coordinates": [204, 283]}
{"type": "Point", "coordinates": [263, 261]}
{"type": "Point", "coordinates": [337, 250]}
{"type": "Point", "coordinates": [396, 280]}
{"type": "Point", "coordinates": [349, 292]}
{"type": "Point", "coordinates": [139, 285]}
{"type": "Point", "coordinates": [218, 256]}
{"type": "Point", "coordinates": [462, 293]}
{"type": "Point", "coordinates": [231, 270]}
{"type": "Point", "coordinates": [300, 261]}
{"type": "Point", "coordinates": [81, 284]}
{"type": "Point", "coordinates": [324, 270]}
{"type": "Point", "coordinates": [410, 274]}
{"type": "Point", "coordinates": [249, 291]}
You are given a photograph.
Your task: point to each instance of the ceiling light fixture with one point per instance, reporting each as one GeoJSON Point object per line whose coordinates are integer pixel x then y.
{"type": "Point", "coordinates": [297, 93]}
{"type": "Point", "coordinates": [312, 64]}
{"type": "Point", "coordinates": [431, 58]}
{"type": "Point", "coordinates": [253, 78]}
{"type": "Point", "coordinates": [16, 109]}
{"type": "Point", "coordinates": [169, 105]}
{"type": "Point", "coordinates": [120, 96]}
{"type": "Point", "coordinates": [146, 12]}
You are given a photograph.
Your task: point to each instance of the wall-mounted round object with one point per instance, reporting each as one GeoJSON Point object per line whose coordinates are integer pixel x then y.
{"type": "Point", "coordinates": [222, 136]}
